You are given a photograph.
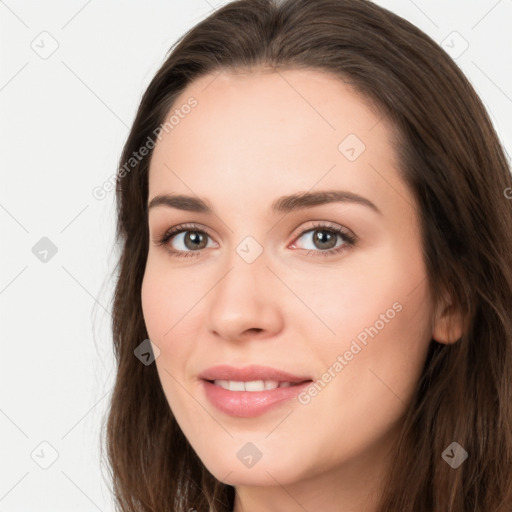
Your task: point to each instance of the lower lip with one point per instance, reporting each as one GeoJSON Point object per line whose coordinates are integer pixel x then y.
{"type": "Point", "coordinates": [247, 404]}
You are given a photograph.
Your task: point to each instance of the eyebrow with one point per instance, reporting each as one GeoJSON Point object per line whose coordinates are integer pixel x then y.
{"type": "Point", "coordinates": [282, 205]}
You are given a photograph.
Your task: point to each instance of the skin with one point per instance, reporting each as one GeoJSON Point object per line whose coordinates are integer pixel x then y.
{"type": "Point", "coordinates": [252, 138]}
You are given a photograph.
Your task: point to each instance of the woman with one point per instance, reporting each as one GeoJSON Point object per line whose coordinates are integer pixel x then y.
{"type": "Point", "coordinates": [317, 239]}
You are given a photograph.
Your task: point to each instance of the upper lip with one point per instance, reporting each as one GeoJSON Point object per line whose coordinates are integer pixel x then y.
{"type": "Point", "coordinates": [249, 373]}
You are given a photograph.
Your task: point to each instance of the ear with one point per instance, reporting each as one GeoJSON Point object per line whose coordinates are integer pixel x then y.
{"type": "Point", "coordinates": [448, 325]}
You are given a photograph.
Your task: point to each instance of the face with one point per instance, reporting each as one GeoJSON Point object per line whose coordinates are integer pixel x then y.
{"type": "Point", "coordinates": [334, 291]}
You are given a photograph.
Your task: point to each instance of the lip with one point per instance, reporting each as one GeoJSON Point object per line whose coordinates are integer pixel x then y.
{"type": "Point", "coordinates": [248, 373]}
{"type": "Point", "coordinates": [248, 404]}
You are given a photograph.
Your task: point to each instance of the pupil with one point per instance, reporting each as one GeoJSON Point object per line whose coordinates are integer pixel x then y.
{"type": "Point", "coordinates": [324, 237]}
{"type": "Point", "coordinates": [193, 237]}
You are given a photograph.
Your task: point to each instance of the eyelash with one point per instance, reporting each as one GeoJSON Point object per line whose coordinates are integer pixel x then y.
{"type": "Point", "coordinates": [349, 240]}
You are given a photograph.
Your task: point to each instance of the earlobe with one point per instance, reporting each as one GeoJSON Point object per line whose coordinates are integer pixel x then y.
{"type": "Point", "coordinates": [448, 325]}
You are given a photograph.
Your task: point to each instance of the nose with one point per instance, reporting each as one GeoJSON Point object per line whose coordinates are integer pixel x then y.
{"type": "Point", "coordinates": [245, 302]}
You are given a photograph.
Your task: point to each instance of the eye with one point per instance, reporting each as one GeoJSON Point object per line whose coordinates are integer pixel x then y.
{"type": "Point", "coordinates": [324, 237]}
{"type": "Point", "coordinates": [189, 239]}
{"type": "Point", "coordinates": [186, 240]}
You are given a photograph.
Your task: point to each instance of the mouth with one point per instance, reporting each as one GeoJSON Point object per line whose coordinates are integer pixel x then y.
{"type": "Point", "coordinates": [254, 386]}
{"type": "Point", "coordinates": [248, 399]}
{"type": "Point", "coordinates": [252, 378]}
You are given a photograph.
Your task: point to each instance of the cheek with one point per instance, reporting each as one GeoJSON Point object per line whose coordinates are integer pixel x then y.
{"type": "Point", "coordinates": [171, 306]}
{"type": "Point", "coordinates": [154, 304]}
{"type": "Point", "coordinates": [165, 296]}
{"type": "Point", "coordinates": [166, 316]}
{"type": "Point", "coordinates": [373, 362]}
{"type": "Point", "coordinates": [376, 315]}
{"type": "Point", "coordinates": [366, 290]}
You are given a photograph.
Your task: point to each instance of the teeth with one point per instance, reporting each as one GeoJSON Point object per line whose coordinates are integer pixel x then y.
{"type": "Point", "coordinates": [253, 385]}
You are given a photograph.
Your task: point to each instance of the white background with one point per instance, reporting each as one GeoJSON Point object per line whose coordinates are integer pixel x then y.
{"type": "Point", "coordinates": [63, 121]}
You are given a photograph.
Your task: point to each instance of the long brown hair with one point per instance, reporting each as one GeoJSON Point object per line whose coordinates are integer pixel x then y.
{"type": "Point", "coordinates": [450, 157]}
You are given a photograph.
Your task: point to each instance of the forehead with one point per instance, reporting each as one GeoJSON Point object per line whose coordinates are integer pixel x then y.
{"type": "Point", "coordinates": [271, 131]}
{"type": "Point", "coordinates": [273, 108]}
